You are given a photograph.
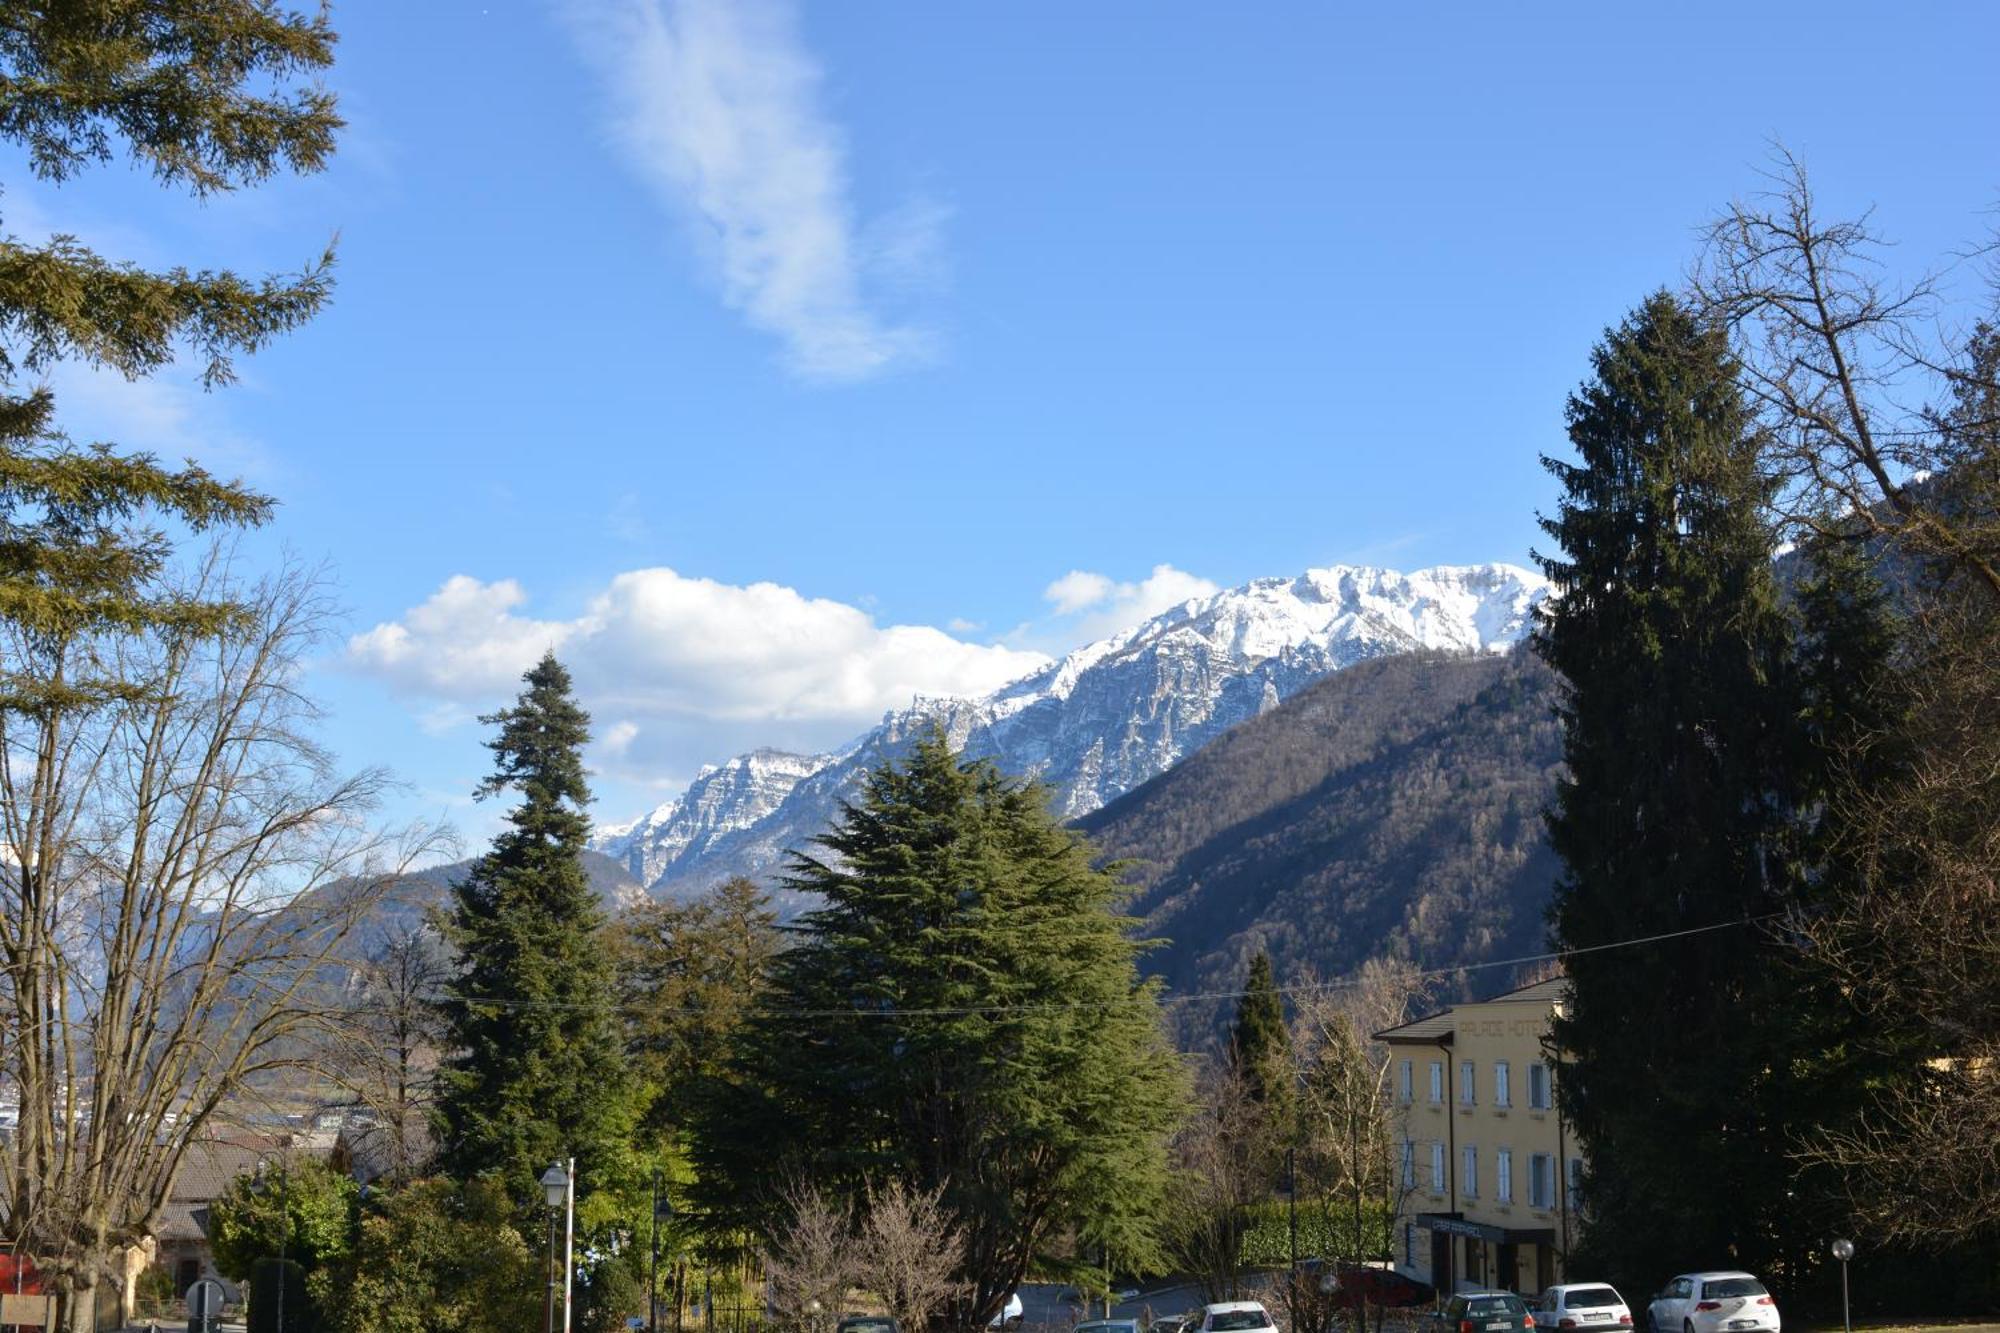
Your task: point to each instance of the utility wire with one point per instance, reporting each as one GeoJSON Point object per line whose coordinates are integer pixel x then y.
{"type": "Point", "coordinates": [1049, 1006]}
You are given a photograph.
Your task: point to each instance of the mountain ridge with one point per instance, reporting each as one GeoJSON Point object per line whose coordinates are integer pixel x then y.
{"type": "Point", "coordinates": [1095, 723]}
{"type": "Point", "coordinates": [1393, 809]}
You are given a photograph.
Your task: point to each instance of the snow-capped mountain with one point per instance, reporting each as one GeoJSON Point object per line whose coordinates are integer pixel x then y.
{"type": "Point", "coordinates": [1101, 720]}
{"type": "Point", "coordinates": [722, 799]}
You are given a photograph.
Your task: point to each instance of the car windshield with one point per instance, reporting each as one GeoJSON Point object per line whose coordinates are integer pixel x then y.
{"type": "Point", "coordinates": [1493, 1307]}
{"type": "Point", "coordinates": [1236, 1321]}
{"type": "Point", "coordinates": [1583, 1296]}
{"type": "Point", "coordinates": [867, 1326]}
{"type": "Point", "coordinates": [1732, 1286]}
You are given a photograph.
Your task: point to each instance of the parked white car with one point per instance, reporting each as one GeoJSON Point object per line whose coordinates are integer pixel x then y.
{"type": "Point", "coordinates": [1585, 1307]}
{"type": "Point", "coordinates": [1236, 1317]}
{"type": "Point", "coordinates": [1714, 1303]}
{"type": "Point", "coordinates": [1010, 1313]}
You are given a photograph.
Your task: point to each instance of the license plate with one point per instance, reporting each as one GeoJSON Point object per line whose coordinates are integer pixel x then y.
{"type": "Point", "coordinates": [1503, 1324]}
{"type": "Point", "coordinates": [1743, 1323]}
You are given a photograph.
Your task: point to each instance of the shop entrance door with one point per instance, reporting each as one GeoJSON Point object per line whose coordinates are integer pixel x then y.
{"type": "Point", "coordinates": [1441, 1274]}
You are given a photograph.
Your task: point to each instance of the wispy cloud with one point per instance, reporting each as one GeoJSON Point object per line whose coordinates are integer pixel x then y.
{"type": "Point", "coordinates": [716, 104]}
{"type": "Point", "coordinates": [167, 414]}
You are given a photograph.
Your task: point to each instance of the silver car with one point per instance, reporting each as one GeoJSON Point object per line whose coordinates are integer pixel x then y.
{"type": "Point", "coordinates": [1727, 1302]}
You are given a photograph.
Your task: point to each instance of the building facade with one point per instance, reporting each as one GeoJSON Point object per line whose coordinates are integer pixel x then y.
{"type": "Point", "coordinates": [1488, 1171]}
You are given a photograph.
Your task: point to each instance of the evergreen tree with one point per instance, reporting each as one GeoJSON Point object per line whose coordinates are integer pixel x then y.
{"type": "Point", "coordinates": [198, 95]}
{"type": "Point", "coordinates": [688, 973]}
{"type": "Point", "coordinates": [1682, 742]}
{"type": "Point", "coordinates": [1260, 1049]}
{"type": "Point", "coordinates": [1261, 1057]}
{"type": "Point", "coordinates": [963, 1014]}
{"type": "Point", "coordinates": [537, 1073]}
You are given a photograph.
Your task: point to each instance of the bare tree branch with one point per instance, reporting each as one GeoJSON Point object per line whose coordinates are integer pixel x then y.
{"type": "Point", "coordinates": [180, 872]}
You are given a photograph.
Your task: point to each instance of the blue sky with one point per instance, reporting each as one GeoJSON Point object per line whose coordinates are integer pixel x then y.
{"type": "Point", "coordinates": [774, 359]}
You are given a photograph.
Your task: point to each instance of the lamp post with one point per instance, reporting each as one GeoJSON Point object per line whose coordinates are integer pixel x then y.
{"type": "Point", "coordinates": [285, 1237]}
{"type": "Point", "coordinates": [555, 1190]}
{"type": "Point", "coordinates": [1843, 1250]}
{"type": "Point", "coordinates": [1292, 1205]}
{"type": "Point", "coordinates": [284, 1226]}
{"type": "Point", "coordinates": [663, 1211]}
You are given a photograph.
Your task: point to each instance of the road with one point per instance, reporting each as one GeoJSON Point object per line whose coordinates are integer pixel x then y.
{"type": "Point", "coordinates": [1052, 1305]}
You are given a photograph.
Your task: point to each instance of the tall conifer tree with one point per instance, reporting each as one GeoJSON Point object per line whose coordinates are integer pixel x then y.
{"type": "Point", "coordinates": [964, 1013]}
{"type": "Point", "coordinates": [538, 1069]}
{"type": "Point", "coordinates": [1260, 1058]}
{"type": "Point", "coordinates": [1682, 745]}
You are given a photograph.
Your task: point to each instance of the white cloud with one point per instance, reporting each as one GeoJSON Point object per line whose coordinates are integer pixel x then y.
{"type": "Point", "coordinates": [1115, 606]}
{"type": "Point", "coordinates": [465, 642]}
{"type": "Point", "coordinates": [1076, 590]}
{"type": "Point", "coordinates": [679, 671]}
{"type": "Point", "coordinates": [716, 102]}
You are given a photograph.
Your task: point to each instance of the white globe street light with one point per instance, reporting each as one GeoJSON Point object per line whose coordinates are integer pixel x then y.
{"type": "Point", "coordinates": [1843, 1250]}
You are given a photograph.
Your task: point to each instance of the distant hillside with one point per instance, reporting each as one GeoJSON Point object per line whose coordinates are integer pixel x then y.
{"type": "Point", "coordinates": [1391, 808]}
{"type": "Point", "coordinates": [408, 902]}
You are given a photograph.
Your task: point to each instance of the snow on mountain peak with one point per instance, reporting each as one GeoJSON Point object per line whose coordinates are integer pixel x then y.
{"type": "Point", "coordinates": [1101, 719]}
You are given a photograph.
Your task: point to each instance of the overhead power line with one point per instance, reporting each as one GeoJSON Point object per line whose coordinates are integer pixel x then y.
{"type": "Point", "coordinates": [1197, 997]}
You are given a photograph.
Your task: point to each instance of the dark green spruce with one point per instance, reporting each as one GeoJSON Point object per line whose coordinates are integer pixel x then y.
{"type": "Point", "coordinates": [538, 1069]}
{"type": "Point", "coordinates": [964, 1012]}
{"type": "Point", "coordinates": [1260, 1056]}
{"type": "Point", "coordinates": [1683, 745]}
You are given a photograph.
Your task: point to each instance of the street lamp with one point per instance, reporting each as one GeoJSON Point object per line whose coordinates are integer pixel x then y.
{"type": "Point", "coordinates": [663, 1211]}
{"type": "Point", "coordinates": [558, 1188]}
{"type": "Point", "coordinates": [1292, 1205]}
{"type": "Point", "coordinates": [284, 1227]}
{"type": "Point", "coordinates": [1843, 1250]}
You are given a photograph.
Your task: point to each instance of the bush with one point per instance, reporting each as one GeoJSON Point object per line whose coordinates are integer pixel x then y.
{"type": "Point", "coordinates": [435, 1256]}
{"type": "Point", "coordinates": [1325, 1231]}
{"type": "Point", "coordinates": [154, 1292]}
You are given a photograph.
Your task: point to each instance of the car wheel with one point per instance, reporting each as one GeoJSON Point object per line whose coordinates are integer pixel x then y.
{"type": "Point", "coordinates": [1687, 1326]}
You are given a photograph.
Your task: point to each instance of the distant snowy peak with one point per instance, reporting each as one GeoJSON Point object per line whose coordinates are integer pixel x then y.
{"type": "Point", "coordinates": [1467, 608]}
{"type": "Point", "coordinates": [722, 799]}
{"type": "Point", "coordinates": [1104, 718]}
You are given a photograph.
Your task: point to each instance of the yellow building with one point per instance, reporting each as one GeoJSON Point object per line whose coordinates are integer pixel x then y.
{"type": "Point", "coordinates": [1488, 1173]}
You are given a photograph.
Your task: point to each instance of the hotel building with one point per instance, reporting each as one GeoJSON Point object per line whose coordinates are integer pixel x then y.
{"type": "Point", "coordinates": [1488, 1172]}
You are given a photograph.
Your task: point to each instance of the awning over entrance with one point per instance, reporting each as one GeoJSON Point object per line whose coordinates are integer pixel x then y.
{"type": "Point", "coordinates": [1455, 1224]}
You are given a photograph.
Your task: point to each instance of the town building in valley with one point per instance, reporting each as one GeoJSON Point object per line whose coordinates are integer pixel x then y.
{"type": "Point", "coordinates": [1488, 1170]}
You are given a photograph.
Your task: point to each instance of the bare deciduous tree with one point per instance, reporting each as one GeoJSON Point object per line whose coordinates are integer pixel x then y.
{"type": "Point", "coordinates": [384, 1055]}
{"type": "Point", "coordinates": [180, 869]}
{"type": "Point", "coordinates": [1921, 949]}
{"type": "Point", "coordinates": [810, 1264]}
{"type": "Point", "coordinates": [1830, 350]}
{"type": "Point", "coordinates": [1840, 358]}
{"type": "Point", "coordinates": [1220, 1174]}
{"type": "Point", "coordinates": [910, 1253]}
{"type": "Point", "coordinates": [1349, 1175]}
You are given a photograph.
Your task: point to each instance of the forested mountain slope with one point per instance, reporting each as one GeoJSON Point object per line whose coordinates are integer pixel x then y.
{"type": "Point", "coordinates": [1392, 808]}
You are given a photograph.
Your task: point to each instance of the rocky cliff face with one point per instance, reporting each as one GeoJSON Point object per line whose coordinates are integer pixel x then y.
{"type": "Point", "coordinates": [722, 800]}
{"type": "Point", "coordinates": [1098, 722]}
